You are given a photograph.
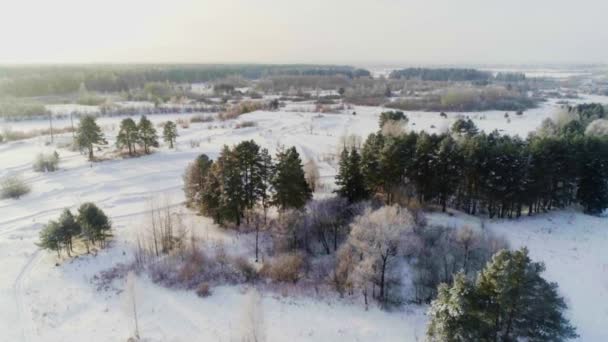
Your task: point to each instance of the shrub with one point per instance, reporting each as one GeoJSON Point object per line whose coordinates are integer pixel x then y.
{"type": "Point", "coordinates": [285, 268]}
{"type": "Point", "coordinates": [246, 124]}
{"type": "Point", "coordinates": [203, 290]}
{"type": "Point", "coordinates": [246, 269]}
{"type": "Point", "coordinates": [13, 187]}
{"type": "Point", "coordinates": [46, 162]}
{"type": "Point", "coordinates": [201, 118]}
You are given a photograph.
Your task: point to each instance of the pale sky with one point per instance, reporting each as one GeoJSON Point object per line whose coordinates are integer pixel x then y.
{"type": "Point", "coordinates": [304, 31]}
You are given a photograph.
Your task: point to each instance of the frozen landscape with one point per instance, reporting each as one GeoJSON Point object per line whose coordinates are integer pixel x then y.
{"type": "Point", "coordinates": [49, 299]}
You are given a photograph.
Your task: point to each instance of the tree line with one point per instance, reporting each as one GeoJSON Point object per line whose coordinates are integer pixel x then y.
{"type": "Point", "coordinates": [243, 178]}
{"type": "Point", "coordinates": [130, 134]}
{"type": "Point", "coordinates": [495, 174]}
{"type": "Point", "coordinates": [90, 225]}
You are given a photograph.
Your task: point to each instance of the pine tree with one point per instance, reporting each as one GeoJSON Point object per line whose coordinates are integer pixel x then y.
{"type": "Point", "coordinates": [147, 134]}
{"type": "Point", "coordinates": [170, 133]}
{"type": "Point", "coordinates": [250, 164]}
{"type": "Point", "coordinates": [68, 229]}
{"type": "Point", "coordinates": [516, 303]}
{"type": "Point", "coordinates": [50, 238]}
{"type": "Point", "coordinates": [128, 135]}
{"type": "Point", "coordinates": [593, 185]}
{"type": "Point", "coordinates": [89, 134]}
{"type": "Point", "coordinates": [370, 162]}
{"type": "Point", "coordinates": [349, 179]}
{"type": "Point", "coordinates": [449, 167]}
{"type": "Point", "coordinates": [510, 301]}
{"type": "Point", "coordinates": [266, 173]}
{"type": "Point", "coordinates": [289, 183]}
{"type": "Point", "coordinates": [233, 191]}
{"type": "Point", "coordinates": [450, 313]}
{"type": "Point", "coordinates": [94, 222]}
{"type": "Point", "coordinates": [211, 194]}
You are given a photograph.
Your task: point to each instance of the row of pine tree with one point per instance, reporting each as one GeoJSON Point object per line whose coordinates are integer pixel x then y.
{"type": "Point", "coordinates": [497, 174]}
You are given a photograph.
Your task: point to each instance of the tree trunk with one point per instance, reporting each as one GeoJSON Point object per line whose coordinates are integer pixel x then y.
{"type": "Point", "coordinates": [384, 260]}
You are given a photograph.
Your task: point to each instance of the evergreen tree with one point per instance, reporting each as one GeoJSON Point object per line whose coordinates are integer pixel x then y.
{"type": "Point", "coordinates": [463, 127]}
{"type": "Point", "coordinates": [250, 168]}
{"type": "Point", "coordinates": [349, 179]}
{"type": "Point", "coordinates": [289, 183]}
{"type": "Point", "coordinates": [147, 134]}
{"type": "Point", "coordinates": [593, 184]}
{"type": "Point", "coordinates": [68, 229]}
{"type": "Point", "coordinates": [370, 162]}
{"type": "Point", "coordinates": [451, 313]}
{"type": "Point", "coordinates": [232, 189]}
{"type": "Point", "coordinates": [89, 134]}
{"type": "Point", "coordinates": [449, 167]}
{"type": "Point", "coordinates": [128, 135]}
{"type": "Point", "coordinates": [170, 133]}
{"type": "Point", "coordinates": [50, 238]}
{"type": "Point", "coordinates": [266, 173]}
{"type": "Point", "coordinates": [94, 222]}
{"type": "Point", "coordinates": [510, 301]}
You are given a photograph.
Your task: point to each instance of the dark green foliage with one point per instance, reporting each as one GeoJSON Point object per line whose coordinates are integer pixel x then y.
{"type": "Point", "coordinates": [392, 116]}
{"type": "Point", "coordinates": [147, 134]}
{"type": "Point", "coordinates": [289, 182]}
{"type": "Point", "coordinates": [593, 185]}
{"type": "Point", "coordinates": [170, 133]}
{"type": "Point", "coordinates": [494, 174]}
{"type": "Point", "coordinates": [91, 226]}
{"type": "Point", "coordinates": [89, 134]}
{"type": "Point", "coordinates": [243, 177]}
{"type": "Point", "coordinates": [128, 135]}
{"type": "Point", "coordinates": [94, 223]}
{"type": "Point", "coordinates": [438, 74]}
{"type": "Point", "coordinates": [349, 179]}
{"type": "Point", "coordinates": [464, 127]}
{"type": "Point", "coordinates": [510, 301]}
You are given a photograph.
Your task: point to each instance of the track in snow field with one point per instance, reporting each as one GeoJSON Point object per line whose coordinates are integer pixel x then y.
{"type": "Point", "coordinates": [24, 317]}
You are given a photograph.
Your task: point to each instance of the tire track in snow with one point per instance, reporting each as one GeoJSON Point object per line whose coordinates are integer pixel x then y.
{"type": "Point", "coordinates": [18, 291]}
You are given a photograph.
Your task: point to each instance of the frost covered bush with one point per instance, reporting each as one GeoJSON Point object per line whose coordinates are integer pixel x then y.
{"type": "Point", "coordinates": [13, 187]}
{"type": "Point", "coordinates": [446, 251]}
{"type": "Point", "coordinates": [369, 258]}
{"type": "Point", "coordinates": [597, 128]}
{"type": "Point", "coordinates": [46, 162]}
{"type": "Point", "coordinates": [287, 268]}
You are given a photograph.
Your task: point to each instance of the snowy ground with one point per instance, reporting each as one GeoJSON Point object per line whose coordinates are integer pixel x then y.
{"type": "Point", "coordinates": [41, 302]}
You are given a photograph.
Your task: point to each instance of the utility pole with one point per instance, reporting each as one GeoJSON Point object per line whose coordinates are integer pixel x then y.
{"type": "Point", "coordinates": [51, 124]}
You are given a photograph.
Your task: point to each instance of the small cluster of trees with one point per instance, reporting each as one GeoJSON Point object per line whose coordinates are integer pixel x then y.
{"type": "Point", "coordinates": [90, 225]}
{"type": "Point", "coordinates": [143, 134]}
{"type": "Point", "coordinates": [509, 301]}
{"type": "Point", "coordinates": [245, 177]}
{"type": "Point", "coordinates": [497, 174]}
{"type": "Point", "coordinates": [130, 135]}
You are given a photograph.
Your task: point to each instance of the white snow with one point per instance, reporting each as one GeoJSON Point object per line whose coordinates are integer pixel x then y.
{"type": "Point", "coordinates": [42, 302]}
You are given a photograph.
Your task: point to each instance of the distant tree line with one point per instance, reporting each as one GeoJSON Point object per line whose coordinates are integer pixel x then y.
{"type": "Point", "coordinates": [497, 174]}
{"type": "Point", "coordinates": [454, 74]}
{"type": "Point", "coordinates": [25, 81]}
{"type": "Point", "coordinates": [243, 178]}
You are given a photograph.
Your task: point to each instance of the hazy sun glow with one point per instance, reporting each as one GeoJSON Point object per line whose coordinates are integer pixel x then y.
{"type": "Point", "coordinates": [347, 31]}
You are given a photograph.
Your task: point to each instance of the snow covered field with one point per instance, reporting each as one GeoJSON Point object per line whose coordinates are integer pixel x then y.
{"type": "Point", "coordinates": [41, 302]}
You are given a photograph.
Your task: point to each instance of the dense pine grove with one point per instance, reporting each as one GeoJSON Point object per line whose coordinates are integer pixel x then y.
{"type": "Point", "coordinates": [494, 174]}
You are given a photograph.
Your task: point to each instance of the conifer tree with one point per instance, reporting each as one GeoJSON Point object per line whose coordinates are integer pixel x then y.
{"type": "Point", "coordinates": [68, 229]}
{"type": "Point", "coordinates": [349, 179]}
{"type": "Point", "coordinates": [128, 135]}
{"type": "Point", "coordinates": [593, 184]}
{"type": "Point", "coordinates": [510, 301]}
{"type": "Point", "coordinates": [89, 134]}
{"type": "Point", "coordinates": [289, 183]}
{"type": "Point", "coordinates": [147, 134]}
{"type": "Point", "coordinates": [249, 165]}
{"type": "Point", "coordinates": [50, 238]}
{"type": "Point", "coordinates": [94, 223]}
{"type": "Point", "coordinates": [170, 133]}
